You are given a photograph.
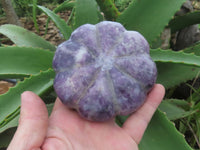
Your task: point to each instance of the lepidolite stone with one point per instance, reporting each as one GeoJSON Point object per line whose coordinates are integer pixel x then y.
{"type": "Point", "coordinates": [103, 70]}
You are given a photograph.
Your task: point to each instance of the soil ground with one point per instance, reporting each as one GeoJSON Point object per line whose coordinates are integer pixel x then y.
{"type": "Point", "coordinates": [52, 35]}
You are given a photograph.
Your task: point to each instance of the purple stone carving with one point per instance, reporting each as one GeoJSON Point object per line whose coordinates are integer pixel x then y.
{"type": "Point", "coordinates": [103, 70]}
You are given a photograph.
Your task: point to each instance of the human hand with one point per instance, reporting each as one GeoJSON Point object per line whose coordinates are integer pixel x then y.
{"type": "Point", "coordinates": [66, 130]}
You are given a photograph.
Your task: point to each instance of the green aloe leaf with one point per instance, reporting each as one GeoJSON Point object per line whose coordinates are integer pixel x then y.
{"type": "Point", "coordinates": [12, 123]}
{"type": "Point", "coordinates": [109, 9]}
{"type": "Point", "coordinates": [184, 104]}
{"type": "Point", "coordinates": [60, 23]}
{"type": "Point", "coordinates": [39, 84]}
{"type": "Point", "coordinates": [149, 17]}
{"type": "Point", "coordinates": [159, 55]}
{"type": "Point", "coordinates": [23, 61]}
{"type": "Point", "coordinates": [186, 20]}
{"type": "Point", "coordinates": [161, 134]}
{"type": "Point", "coordinates": [173, 74]}
{"type": "Point", "coordinates": [23, 37]}
{"type": "Point", "coordinates": [193, 49]}
{"type": "Point", "coordinates": [86, 11]}
{"type": "Point", "coordinates": [174, 112]}
{"type": "Point", "coordinates": [179, 67]}
{"type": "Point", "coordinates": [66, 5]}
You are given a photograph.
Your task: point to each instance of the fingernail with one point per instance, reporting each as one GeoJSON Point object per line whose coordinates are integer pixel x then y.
{"type": "Point", "coordinates": [26, 95]}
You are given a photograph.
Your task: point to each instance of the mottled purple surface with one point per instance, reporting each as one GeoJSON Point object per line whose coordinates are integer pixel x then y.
{"type": "Point", "coordinates": [103, 70]}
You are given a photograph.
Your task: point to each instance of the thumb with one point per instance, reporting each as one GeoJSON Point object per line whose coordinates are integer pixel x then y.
{"type": "Point", "coordinates": [33, 123]}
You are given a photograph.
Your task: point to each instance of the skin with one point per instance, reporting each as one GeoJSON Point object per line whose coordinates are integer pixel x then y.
{"type": "Point", "coordinates": [66, 130]}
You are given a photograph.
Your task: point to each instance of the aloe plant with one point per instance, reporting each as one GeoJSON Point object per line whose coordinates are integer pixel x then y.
{"type": "Point", "coordinates": [31, 62]}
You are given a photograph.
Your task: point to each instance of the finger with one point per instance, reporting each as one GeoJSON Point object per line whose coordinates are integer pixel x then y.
{"type": "Point", "coordinates": [33, 123]}
{"type": "Point", "coordinates": [59, 107]}
{"type": "Point", "coordinates": [62, 115]}
{"type": "Point", "coordinates": [137, 123]}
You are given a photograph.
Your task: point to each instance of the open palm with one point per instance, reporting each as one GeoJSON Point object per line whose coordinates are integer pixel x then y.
{"type": "Point", "coordinates": [66, 130]}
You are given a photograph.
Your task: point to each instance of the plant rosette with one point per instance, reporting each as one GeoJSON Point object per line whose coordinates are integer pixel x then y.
{"type": "Point", "coordinates": [103, 70]}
